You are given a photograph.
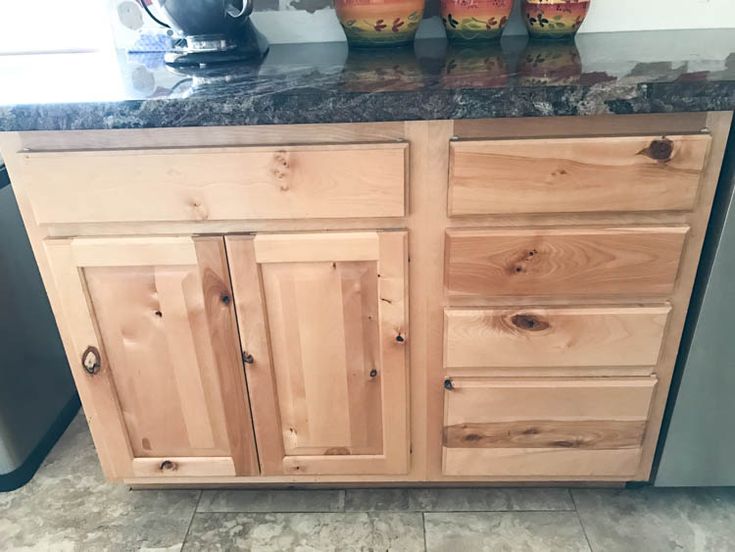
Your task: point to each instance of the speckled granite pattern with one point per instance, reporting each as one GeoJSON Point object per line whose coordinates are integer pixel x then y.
{"type": "Point", "coordinates": [323, 83]}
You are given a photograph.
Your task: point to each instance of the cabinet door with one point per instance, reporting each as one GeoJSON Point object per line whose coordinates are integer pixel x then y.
{"type": "Point", "coordinates": [155, 354]}
{"type": "Point", "coordinates": [323, 321]}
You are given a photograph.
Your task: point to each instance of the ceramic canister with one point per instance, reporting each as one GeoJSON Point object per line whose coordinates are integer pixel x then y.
{"type": "Point", "coordinates": [379, 22]}
{"type": "Point", "coordinates": [554, 18]}
{"type": "Point", "coordinates": [475, 19]}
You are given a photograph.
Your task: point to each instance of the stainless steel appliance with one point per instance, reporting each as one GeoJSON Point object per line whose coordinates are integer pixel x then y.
{"type": "Point", "coordinates": [207, 31]}
{"type": "Point", "coordinates": [698, 442]}
{"type": "Point", "coordinates": [37, 395]}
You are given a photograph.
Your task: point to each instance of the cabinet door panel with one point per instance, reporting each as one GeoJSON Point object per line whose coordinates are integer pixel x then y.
{"type": "Point", "coordinates": [164, 324]}
{"type": "Point", "coordinates": [326, 335]}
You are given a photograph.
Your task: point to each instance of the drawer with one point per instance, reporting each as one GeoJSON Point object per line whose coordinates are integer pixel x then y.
{"type": "Point", "coordinates": [217, 183]}
{"type": "Point", "coordinates": [569, 175]}
{"type": "Point", "coordinates": [574, 262]}
{"type": "Point", "coordinates": [554, 337]}
{"type": "Point", "coordinates": [545, 427]}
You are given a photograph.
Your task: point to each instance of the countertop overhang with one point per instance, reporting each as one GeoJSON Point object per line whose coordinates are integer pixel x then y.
{"type": "Point", "coordinates": [621, 73]}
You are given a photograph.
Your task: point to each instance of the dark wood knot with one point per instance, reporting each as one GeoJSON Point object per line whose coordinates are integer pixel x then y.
{"type": "Point", "coordinates": [661, 149]}
{"type": "Point", "coordinates": [529, 322]}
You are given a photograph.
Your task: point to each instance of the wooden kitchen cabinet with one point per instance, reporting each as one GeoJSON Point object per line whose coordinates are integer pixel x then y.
{"type": "Point", "coordinates": [156, 354]}
{"type": "Point", "coordinates": [323, 323]}
{"type": "Point", "coordinates": [551, 263]}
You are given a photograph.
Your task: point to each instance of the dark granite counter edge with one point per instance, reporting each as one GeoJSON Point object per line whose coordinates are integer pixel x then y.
{"type": "Point", "coordinates": [306, 107]}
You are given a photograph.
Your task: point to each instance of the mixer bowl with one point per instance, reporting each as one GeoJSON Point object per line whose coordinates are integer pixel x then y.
{"type": "Point", "coordinates": [204, 18]}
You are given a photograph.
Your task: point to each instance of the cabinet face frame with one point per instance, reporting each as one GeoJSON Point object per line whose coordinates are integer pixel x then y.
{"type": "Point", "coordinates": [249, 256]}
{"type": "Point", "coordinates": [209, 384]}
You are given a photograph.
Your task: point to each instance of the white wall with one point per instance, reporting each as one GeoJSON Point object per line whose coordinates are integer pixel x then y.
{"type": "Point", "coordinates": [604, 16]}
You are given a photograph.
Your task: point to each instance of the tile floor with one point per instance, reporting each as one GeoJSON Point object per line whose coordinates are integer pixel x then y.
{"type": "Point", "coordinates": [69, 507]}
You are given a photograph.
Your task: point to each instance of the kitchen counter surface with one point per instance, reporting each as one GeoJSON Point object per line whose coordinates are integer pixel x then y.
{"type": "Point", "coordinates": [644, 72]}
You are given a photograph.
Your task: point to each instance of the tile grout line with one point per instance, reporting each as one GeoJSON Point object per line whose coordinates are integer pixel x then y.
{"type": "Point", "coordinates": [423, 526]}
{"type": "Point", "coordinates": [191, 521]}
{"type": "Point", "coordinates": [581, 523]}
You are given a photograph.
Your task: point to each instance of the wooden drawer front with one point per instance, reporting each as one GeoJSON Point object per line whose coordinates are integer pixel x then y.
{"type": "Point", "coordinates": [230, 183]}
{"type": "Point", "coordinates": [568, 262]}
{"type": "Point", "coordinates": [542, 427]}
{"type": "Point", "coordinates": [641, 173]}
{"type": "Point", "coordinates": [554, 337]}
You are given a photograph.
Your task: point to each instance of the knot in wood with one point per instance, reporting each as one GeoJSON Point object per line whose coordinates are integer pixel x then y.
{"type": "Point", "coordinates": [529, 322]}
{"type": "Point", "coordinates": [660, 150]}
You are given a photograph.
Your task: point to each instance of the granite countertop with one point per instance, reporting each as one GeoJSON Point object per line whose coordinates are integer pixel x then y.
{"type": "Point", "coordinates": [642, 72]}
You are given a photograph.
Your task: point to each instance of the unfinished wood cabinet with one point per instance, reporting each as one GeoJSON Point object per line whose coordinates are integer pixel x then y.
{"type": "Point", "coordinates": [156, 354]}
{"type": "Point", "coordinates": [551, 262]}
{"type": "Point", "coordinates": [581, 174]}
{"type": "Point", "coordinates": [566, 262]}
{"type": "Point", "coordinates": [216, 183]}
{"type": "Point", "coordinates": [554, 336]}
{"type": "Point", "coordinates": [545, 427]}
{"type": "Point", "coordinates": [323, 322]}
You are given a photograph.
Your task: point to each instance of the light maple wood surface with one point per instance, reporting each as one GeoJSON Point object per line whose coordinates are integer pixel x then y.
{"type": "Point", "coordinates": [563, 175]}
{"type": "Point", "coordinates": [545, 426]}
{"type": "Point", "coordinates": [554, 336]}
{"type": "Point", "coordinates": [427, 221]}
{"type": "Point", "coordinates": [327, 333]}
{"type": "Point", "coordinates": [170, 380]}
{"type": "Point", "coordinates": [564, 262]}
{"type": "Point", "coordinates": [196, 184]}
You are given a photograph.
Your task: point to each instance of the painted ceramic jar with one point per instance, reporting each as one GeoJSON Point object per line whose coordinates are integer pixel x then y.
{"type": "Point", "coordinates": [475, 19]}
{"type": "Point", "coordinates": [554, 18]}
{"type": "Point", "coordinates": [369, 23]}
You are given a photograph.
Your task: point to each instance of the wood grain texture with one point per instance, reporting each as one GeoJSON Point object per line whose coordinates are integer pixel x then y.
{"type": "Point", "coordinates": [178, 184]}
{"type": "Point", "coordinates": [578, 434]}
{"type": "Point", "coordinates": [317, 247]}
{"type": "Point", "coordinates": [184, 467]}
{"type": "Point", "coordinates": [480, 400]}
{"type": "Point", "coordinates": [170, 352]}
{"type": "Point", "coordinates": [554, 337]}
{"type": "Point", "coordinates": [541, 464]}
{"type": "Point", "coordinates": [486, 420]}
{"type": "Point", "coordinates": [564, 261]}
{"type": "Point", "coordinates": [564, 175]}
{"type": "Point", "coordinates": [326, 388]}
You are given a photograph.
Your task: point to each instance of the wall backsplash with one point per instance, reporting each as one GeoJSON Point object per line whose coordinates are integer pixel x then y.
{"type": "Point", "coordinates": [284, 21]}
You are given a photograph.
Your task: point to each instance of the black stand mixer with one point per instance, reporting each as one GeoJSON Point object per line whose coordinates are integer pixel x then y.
{"type": "Point", "coordinates": [209, 31]}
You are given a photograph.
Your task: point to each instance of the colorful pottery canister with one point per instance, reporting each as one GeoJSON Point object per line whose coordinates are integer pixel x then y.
{"type": "Point", "coordinates": [554, 18]}
{"type": "Point", "coordinates": [475, 19]}
{"type": "Point", "coordinates": [369, 23]}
